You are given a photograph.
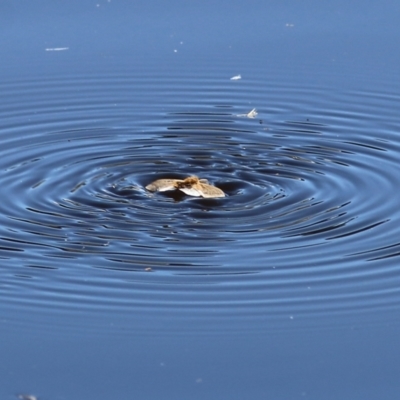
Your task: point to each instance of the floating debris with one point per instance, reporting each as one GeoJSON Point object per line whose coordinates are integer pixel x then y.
{"type": "Point", "coordinates": [236, 77]}
{"type": "Point", "coordinates": [27, 397]}
{"type": "Point", "coordinates": [252, 114]}
{"type": "Point", "coordinates": [57, 48]}
{"type": "Point", "coordinates": [192, 186]}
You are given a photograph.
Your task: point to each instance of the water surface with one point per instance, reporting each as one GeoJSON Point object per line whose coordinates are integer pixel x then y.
{"type": "Point", "coordinates": [130, 288]}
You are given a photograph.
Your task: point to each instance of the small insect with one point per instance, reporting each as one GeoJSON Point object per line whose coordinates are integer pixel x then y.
{"type": "Point", "coordinates": [192, 186]}
{"type": "Point", "coordinates": [252, 114]}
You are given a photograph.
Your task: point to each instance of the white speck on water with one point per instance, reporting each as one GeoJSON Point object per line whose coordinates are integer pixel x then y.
{"type": "Point", "coordinates": [252, 114]}
{"type": "Point", "coordinates": [56, 48]}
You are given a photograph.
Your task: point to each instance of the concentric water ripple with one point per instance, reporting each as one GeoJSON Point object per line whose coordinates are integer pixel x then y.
{"type": "Point", "coordinates": [309, 224]}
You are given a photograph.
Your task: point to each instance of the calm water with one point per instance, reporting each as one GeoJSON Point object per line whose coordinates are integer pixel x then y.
{"type": "Point", "coordinates": [288, 288]}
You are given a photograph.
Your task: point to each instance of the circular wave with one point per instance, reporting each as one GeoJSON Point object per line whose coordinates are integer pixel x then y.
{"type": "Point", "coordinates": [308, 225]}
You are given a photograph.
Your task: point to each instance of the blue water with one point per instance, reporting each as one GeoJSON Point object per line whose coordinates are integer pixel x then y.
{"type": "Point", "coordinates": [287, 288]}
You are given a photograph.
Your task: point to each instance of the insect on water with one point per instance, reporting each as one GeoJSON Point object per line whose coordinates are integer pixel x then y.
{"type": "Point", "coordinates": [252, 114]}
{"type": "Point", "coordinates": [192, 186]}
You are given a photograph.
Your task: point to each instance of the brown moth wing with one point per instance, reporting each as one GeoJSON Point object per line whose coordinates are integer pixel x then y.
{"type": "Point", "coordinates": [162, 185]}
{"type": "Point", "coordinates": [209, 191]}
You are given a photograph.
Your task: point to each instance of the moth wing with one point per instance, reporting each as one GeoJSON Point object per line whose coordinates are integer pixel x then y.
{"type": "Point", "coordinates": [162, 185]}
{"type": "Point", "coordinates": [209, 191]}
{"type": "Point", "coordinates": [191, 191]}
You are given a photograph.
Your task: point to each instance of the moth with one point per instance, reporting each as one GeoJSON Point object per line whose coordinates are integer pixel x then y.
{"type": "Point", "coordinates": [192, 186]}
